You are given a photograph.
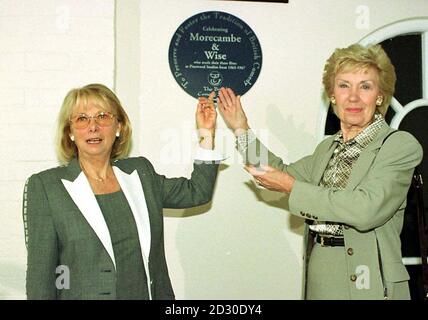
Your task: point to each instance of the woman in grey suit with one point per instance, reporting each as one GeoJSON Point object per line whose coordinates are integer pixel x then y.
{"type": "Point", "coordinates": [352, 189]}
{"type": "Point", "coordinates": [94, 227]}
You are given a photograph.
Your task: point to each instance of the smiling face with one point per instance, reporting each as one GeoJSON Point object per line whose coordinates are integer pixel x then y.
{"type": "Point", "coordinates": [94, 141]}
{"type": "Point", "coordinates": [356, 93]}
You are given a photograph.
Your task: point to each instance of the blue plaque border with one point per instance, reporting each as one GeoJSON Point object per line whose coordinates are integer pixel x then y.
{"type": "Point", "coordinates": [214, 49]}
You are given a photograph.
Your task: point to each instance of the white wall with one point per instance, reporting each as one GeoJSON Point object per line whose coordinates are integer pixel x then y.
{"type": "Point", "coordinates": [239, 247]}
{"type": "Point", "coordinates": [47, 48]}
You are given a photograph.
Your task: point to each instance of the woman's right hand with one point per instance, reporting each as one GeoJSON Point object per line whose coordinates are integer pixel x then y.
{"type": "Point", "coordinates": [230, 108]}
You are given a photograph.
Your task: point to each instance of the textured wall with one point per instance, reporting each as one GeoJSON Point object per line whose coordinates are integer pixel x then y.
{"type": "Point", "coordinates": [47, 47]}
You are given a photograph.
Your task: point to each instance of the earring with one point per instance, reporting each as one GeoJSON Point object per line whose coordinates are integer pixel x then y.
{"type": "Point", "coordinates": [118, 134]}
{"type": "Point", "coordinates": [379, 100]}
{"type": "Point", "coordinates": [333, 100]}
{"type": "Point", "coordinates": [72, 138]}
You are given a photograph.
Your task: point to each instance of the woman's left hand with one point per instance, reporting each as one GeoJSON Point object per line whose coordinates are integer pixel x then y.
{"type": "Point", "coordinates": [206, 114]}
{"type": "Point", "coordinates": [271, 178]}
{"type": "Point", "coordinates": [206, 118]}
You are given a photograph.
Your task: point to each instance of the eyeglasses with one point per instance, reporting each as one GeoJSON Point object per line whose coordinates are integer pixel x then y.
{"type": "Point", "coordinates": [103, 119]}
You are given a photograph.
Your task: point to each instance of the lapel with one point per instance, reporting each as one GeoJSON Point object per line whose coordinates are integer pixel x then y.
{"type": "Point", "coordinates": [323, 162]}
{"type": "Point", "coordinates": [79, 189]}
{"type": "Point", "coordinates": [133, 191]}
{"type": "Point", "coordinates": [81, 192]}
{"type": "Point", "coordinates": [366, 157]}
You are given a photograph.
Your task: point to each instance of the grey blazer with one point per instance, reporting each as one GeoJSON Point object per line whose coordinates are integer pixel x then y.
{"type": "Point", "coordinates": [371, 206]}
{"type": "Point", "coordinates": [65, 227]}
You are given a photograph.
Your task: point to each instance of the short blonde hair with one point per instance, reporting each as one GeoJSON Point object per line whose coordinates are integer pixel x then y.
{"type": "Point", "coordinates": [358, 57]}
{"type": "Point", "coordinates": [105, 99]}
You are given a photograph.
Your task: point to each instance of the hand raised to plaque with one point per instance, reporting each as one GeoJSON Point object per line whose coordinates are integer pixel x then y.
{"type": "Point", "coordinates": [206, 119]}
{"type": "Point", "coordinates": [206, 115]}
{"type": "Point", "coordinates": [230, 108]}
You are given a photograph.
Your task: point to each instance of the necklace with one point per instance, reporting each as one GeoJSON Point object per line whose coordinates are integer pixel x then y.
{"type": "Point", "coordinates": [89, 176]}
{"type": "Point", "coordinates": [95, 178]}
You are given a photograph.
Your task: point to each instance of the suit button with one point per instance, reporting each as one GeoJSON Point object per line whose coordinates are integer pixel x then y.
{"type": "Point", "coordinates": [350, 251]}
{"type": "Point", "coordinates": [353, 278]}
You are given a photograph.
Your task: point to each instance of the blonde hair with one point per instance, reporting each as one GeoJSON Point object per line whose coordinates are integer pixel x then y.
{"type": "Point", "coordinates": [358, 57]}
{"type": "Point", "coordinates": [105, 99]}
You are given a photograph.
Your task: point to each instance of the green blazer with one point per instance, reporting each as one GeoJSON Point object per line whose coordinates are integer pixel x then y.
{"type": "Point", "coordinates": [371, 207]}
{"type": "Point", "coordinates": [65, 227]}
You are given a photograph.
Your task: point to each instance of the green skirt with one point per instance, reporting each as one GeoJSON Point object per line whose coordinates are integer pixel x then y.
{"type": "Point", "coordinates": [327, 277]}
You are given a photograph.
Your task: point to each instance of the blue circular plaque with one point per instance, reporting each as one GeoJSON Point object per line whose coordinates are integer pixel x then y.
{"type": "Point", "coordinates": [215, 49]}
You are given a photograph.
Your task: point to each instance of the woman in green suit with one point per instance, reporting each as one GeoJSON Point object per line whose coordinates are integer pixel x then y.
{"type": "Point", "coordinates": [352, 189]}
{"type": "Point", "coordinates": [94, 227]}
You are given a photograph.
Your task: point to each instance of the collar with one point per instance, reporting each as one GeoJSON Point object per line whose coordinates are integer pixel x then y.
{"type": "Point", "coordinates": [366, 136]}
